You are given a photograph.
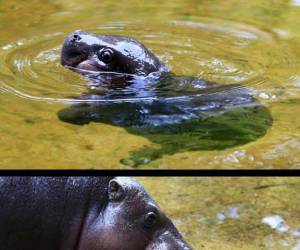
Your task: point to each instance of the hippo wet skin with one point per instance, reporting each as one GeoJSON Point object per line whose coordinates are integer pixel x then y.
{"type": "Point", "coordinates": [178, 113]}
{"type": "Point", "coordinates": [82, 50]}
{"type": "Point", "coordinates": [82, 213]}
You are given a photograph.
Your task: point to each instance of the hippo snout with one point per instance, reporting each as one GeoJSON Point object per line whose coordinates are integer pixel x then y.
{"type": "Point", "coordinates": [169, 241]}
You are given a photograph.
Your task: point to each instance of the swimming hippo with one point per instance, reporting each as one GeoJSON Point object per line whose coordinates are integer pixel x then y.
{"type": "Point", "coordinates": [82, 213]}
{"type": "Point", "coordinates": [128, 86]}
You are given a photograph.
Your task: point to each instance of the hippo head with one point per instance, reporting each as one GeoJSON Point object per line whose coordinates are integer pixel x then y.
{"type": "Point", "coordinates": [84, 52]}
{"type": "Point", "coordinates": [130, 220]}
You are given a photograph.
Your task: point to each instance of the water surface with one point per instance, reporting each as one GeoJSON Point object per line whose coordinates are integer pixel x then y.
{"type": "Point", "coordinates": [255, 45]}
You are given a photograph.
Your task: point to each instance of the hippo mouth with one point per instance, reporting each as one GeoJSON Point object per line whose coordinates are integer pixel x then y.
{"type": "Point", "coordinates": [90, 66]}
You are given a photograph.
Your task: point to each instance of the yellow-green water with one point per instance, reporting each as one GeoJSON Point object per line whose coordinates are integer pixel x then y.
{"type": "Point", "coordinates": [254, 43]}
{"type": "Point", "coordinates": [231, 213]}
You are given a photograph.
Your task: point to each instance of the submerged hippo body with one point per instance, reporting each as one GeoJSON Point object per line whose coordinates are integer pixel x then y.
{"type": "Point", "coordinates": [82, 213]}
{"type": "Point", "coordinates": [129, 86]}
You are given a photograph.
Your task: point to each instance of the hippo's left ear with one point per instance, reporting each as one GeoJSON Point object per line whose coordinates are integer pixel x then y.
{"type": "Point", "coordinates": [115, 190]}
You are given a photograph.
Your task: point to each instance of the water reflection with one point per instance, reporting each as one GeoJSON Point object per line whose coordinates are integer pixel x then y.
{"type": "Point", "coordinates": [176, 113]}
{"type": "Point", "coordinates": [276, 222]}
{"type": "Point", "coordinates": [231, 212]}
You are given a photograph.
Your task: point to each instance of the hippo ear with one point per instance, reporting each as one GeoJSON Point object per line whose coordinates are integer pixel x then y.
{"type": "Point", "coordinates": [115, 191]}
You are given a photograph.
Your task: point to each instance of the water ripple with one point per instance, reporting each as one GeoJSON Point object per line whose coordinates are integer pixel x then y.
{"type": "Point", "coordinates": [220, 54]}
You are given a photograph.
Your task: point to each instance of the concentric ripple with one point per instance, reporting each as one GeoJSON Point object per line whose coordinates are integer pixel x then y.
{"type": "Point", "coordinates": [215, 50]}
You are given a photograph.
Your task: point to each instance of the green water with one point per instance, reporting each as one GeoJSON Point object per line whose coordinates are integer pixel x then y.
{"type": "Point", "coordinates": [255, 44]}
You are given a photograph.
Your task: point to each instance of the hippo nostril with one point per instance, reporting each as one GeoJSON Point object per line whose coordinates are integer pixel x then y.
{"type": "Point", "coordinates": [76, 38]}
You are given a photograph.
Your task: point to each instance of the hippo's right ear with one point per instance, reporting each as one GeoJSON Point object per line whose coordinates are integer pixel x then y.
{"type": "Point", "coordinates": [115, 191]}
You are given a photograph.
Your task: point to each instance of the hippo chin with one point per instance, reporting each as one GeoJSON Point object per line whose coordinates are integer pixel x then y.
{"type": "Point", "coordinates": [83, 213]}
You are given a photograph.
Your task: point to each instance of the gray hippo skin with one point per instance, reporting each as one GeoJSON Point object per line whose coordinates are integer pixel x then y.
{"type": "Point", "coordinates": [82, 213]}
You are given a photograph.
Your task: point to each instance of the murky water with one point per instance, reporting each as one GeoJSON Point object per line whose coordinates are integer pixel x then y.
{"type": "Point", "coordinates": [254, 44]}
{"type": "Point", "coordinates": [231, 213]}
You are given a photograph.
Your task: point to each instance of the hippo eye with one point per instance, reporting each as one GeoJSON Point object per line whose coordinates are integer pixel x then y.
{"type": "Point", "coordinates": [106, 55]}
{"type": "Point", "coordinates": [150, 219]}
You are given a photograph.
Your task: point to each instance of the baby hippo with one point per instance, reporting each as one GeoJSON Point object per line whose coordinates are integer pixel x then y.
{"type": "Point", "coordinates": [129, 87]}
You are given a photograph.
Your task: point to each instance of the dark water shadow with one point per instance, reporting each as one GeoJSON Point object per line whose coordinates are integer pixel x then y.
{"type": "Point", "coordinates": [214, 117]}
